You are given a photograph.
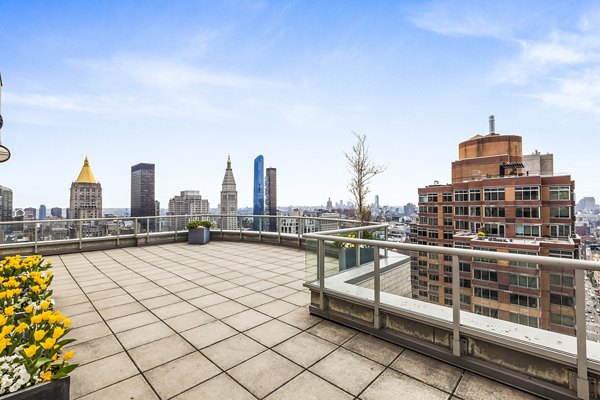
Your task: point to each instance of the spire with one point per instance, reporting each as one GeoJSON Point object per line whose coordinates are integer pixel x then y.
{"type": "Point", "coordinates": [228, 161]}
{"type": "Point", "coordinates": [86, 175]}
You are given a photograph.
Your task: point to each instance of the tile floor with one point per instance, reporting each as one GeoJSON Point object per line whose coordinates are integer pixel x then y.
{"type": "Point", "coordinates": [229, 321]}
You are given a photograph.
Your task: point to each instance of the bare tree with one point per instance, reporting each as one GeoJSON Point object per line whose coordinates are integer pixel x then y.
{"type": "Point", "coordinates": [362, 170]}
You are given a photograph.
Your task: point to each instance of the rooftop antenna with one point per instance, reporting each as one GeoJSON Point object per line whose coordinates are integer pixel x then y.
{"type": "Point", "coordinates": [492, 125]}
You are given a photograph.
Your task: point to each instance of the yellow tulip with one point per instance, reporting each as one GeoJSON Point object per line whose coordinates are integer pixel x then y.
{"type": "Point", "coordinates": [9, 310]}
{"type": "Point", "coordinates": [44, 305]}
{"type": "Point", "coordinates": [3, 344]}
{"type": "Point", "coordinates": [68, 355]}
{"type": "Point", "coordinates": [58, 332]}
{"type": "Point", "coordinates": [29, 309]}
{"type": "Point", "coordinates": [3, 319]}
{"type": "Point", "coordinates": [21, 328]}
{"type": "Point", "coordinates": [35, 289]}
{"type": "Point", "coordinates": [31, 350]}
{"type": "Point", "coordinates": [36, 319]}
{"type": "Point", "coordinates": [46, 376]}
{"type": "Point", "coordinates": [46, 315]}
{"type": "Point", "coordinates": [48, 343]}
{"type": "Point", "coordinates": [39, 335]}
{"type": "Point", "coordinates": [6, 329]}
{"type": "Point", "coordinates": [67, 322]}
{"type": "Point", "coordinates": [3, 295]}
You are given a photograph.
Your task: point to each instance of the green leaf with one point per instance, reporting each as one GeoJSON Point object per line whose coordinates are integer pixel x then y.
{"type": "Point", "coordinates": [41, 361]}
{"type": "Point", "coordinates": [65, 342]}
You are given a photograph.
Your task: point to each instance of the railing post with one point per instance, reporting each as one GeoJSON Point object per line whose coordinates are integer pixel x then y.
{"type": "Point", "coordinates": [300, 224]}
{"type": "Point", "coordinates": [385, 237]}
{"type": "Point", "coordinates": [221, 225]}
{"type": "Point", "coordinates": [359, 236]}
{"type": "Point", "coordinates": [176, 229]}
{"type": "Point", "coordinates": [135, 229]}
{"type": "Point", "coordinates": [455, 306]}
{"type": "Point", "coordinates": [583, 385]}
{"type": "Point", "coordinates": [118, 233]}
{"type": "Point", "coordinates": [147, 230]}
{"type": "Point", "coordinates": [321, 272]}
{"type": "Point", "coordinates": [376, 289]}
{"type": "Point", "coordinates": [278, 231]}
{"type": "Point", "coordinates": [80, 234]}
{"type": "Point", "coordinates": [35, 238]}
{"type": "Point", "coordinates": [260, 223]}
{"type": "Point", "coordinates": [239, 220]}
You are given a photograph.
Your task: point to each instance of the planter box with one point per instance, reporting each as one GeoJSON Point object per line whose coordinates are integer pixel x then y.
{"type": "Point", "coordinates": [199, 236]}
{"type": "Point", "coordinates": [348, 257]}
{"type": "Point", "coordinates": [53, 390]}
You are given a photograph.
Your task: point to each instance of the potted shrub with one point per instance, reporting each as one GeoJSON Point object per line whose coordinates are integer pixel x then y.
{"type": "Point", "coordinates": [199, 231]}
{"type": "Point", "coordinates": [348, 252]}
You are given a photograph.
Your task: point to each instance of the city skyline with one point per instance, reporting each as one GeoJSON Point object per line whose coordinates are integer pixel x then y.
{"type": "Point", "coordinates": [291, 81]}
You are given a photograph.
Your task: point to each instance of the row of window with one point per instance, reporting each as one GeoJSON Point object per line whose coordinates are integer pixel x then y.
{"type": "Point", "coordinates": [559, 319]}
{"type": "Point", "coordinates": [522, 193]}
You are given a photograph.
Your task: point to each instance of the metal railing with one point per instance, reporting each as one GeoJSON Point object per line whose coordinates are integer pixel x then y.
{"type": "Point", "coordinates": [579, 266]}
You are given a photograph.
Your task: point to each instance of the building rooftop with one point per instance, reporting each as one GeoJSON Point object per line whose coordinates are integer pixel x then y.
{"type": "Point", "coordinates": [229, 321]}
{"type": "Point", "coordinates": [86, 175]}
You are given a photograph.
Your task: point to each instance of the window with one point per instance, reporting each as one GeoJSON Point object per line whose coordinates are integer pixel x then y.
{"type": "Point", "coordinates": [423, 293]}
{"type": "Point", "coordinates": [447, 221]}
{"type": "Point", "coordinates": [527, 193]}
{"type": "Point", "coordinates": [487, 311]}
{"type": "Point", "coordinates": [493, 194]}
{"type": "Point", "coordinates": [527, 212]}
{"type": "Point", "coordinates": [475, 211]}
{"type": "Point", "coordinates": [493, 212]}
{"type": "Point", "coordinates": [447, 209]}
{"type": "Point", "coordinates": [461, 195]}
{"type": "Point", "coordinates": [465, 298]}
{"type": "Point", "coordinates": [448, 302]}
{"type": "Point", "coordinates": [466, 283]}
{"type": "Point", "coordinates": [561, 319]}
{"type": "Point", "coordinates": [475, 226]}
{"type": "Point", "coordinates": [447, 279]}
{"type": "Point", "coordinates": [434, 288]}
{"type": "Point", "coordinates": [432, 233]}
{"type": "Point", "coordinates": [422, 273]}
{"type": "Point", "coordinates": [523, 264]}
{"type": "Point", "coordinates": [561, 253]}
{"type": "Point", "coordinates": [485, 275]}
{"type": "Point", "coordinates": [527, 230]}
{"type": "Point", "coordinates": [434, 267]}
{"type": "Point", "coordinates": [432, 256]}
{"type": "Point", "coordinates": [485, 293]}
{"type": "Point", "coordinates": [447, 268]}
{"type": "Point", "coordinates": [523, 301]}
{"type": "Point", "coordinates": [464, 266]}
{"type": "Point", "coordinates": [447, 290]}
{"type": "Point", "coordinates": [446, 197]}
{"type": "Point", "coordinates": [524, 320]}
{"type": "Point", "coordinates": [560, 193]}
{"type": "Point", "coordinates": [482, 259]}
{"type": "Point", "coordinates": [561, 280]}
{"type": "Point", "coordinates": [434, 299]}
{"type": "Point", "coordinates": [434, 277]}
{"type": "Point", "coordinates": [462, 245]}
{"type": "Point", "coordinates": [527, 281]}
{"type": "Point", "coordinates": [461, 210]}
{"type": "Point", "coordinates": [460, 224]}
{"type": "Point", "coordinates": [447, 235]}
{"type": "Point", "coordinates": [560, 230]}
{"type": "Point", "coordinates": [562, 300]}
{"type": "Point", "coordinates": [474, 195]}
{"type": "Point", "coordinates": [494, 229]}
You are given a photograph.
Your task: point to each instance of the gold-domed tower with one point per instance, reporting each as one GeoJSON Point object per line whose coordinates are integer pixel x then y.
{"type": "Point", "coordinates": [86, 195]}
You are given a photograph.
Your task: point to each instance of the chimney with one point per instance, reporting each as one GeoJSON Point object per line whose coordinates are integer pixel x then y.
{"type": "Point", "coordinates": [492, 125]}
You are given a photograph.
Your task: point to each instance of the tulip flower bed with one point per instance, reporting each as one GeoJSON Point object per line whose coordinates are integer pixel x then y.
{"type": "Point", "coordinates": [31, 331]}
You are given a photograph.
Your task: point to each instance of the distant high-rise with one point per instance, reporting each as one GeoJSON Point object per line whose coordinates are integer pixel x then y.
{"type": "Point", "coordinates": [329, 205]}
{"type": "Point", "coordinates": [538, 164]}
{"type": "Point", "coordinates": [142, 192]}
{"type": "Point", "coordinates": [229, 199]}
{"type": "Point", "coordinates": [42, 212]}
{"type": "Point", "coordinates": [86, 195]}
{"type": "Point", "coordinates": [56, 212]}
{"type": "Point", "coordinates": [189, 202]}
{"type": "Point", "coordinates": [259, 190]}
{"type": "Point", "coordinates": [271, 198]}
{"type": "Point", "coordinates": [6, 204]}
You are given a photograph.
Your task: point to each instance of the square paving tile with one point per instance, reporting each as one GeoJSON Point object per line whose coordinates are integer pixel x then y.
{"type": "Point", "coordinates": [332, 332]}
{"type": "Point", "coordinates": [131, 321]}
{"type": "Point", "coordinates": [193, 293]}
{"type": "Point", "coordinates": [276, 308]}
{"type": "Point", "coordinates": [218, 388]}
{"type": "Point", "coordinates": [96, 349]}
{"type": "Point", "coordinates": [231, 352]}
{"type": "Point", "coordinates": [254, 299]}
{"type": "Point", "coordinates": [433, 372]}
{"type": "Point", "coordinates": [160, 301]}
{"type": "Point", "coordinates": [335, 368]}
{"type": "Point", "coordinates": [246, 320]}
{"type": "Point", "coordinates": [132, 388]}
{"type": "Point", "coordinates": [272, 332]}
{"type": "Point", "coordinates": [84, 319]}
{"type": "Point", "coordinates": [305, 349]}
{"type": "Point", "coordinates": [209, 333]}
{"type": "Point", "coordinates": [160, 352]}
{"type": "Point", "coordinates": [264, 373]}
{"type": "Point", "coordinates": [144, 334]}
{"type": "Point", "coordinates": [188, 321]}
{"type": "Point", "coordinates": [373, 348]}
{"type": "Point", "coordinates": [394, 385]}
{"type": "Point", "coordinates": [225, 309]}
{"type": "Point", "coordinates": [89, 332]}
{"type": "Point", "coordinates": [113, 301]}
{"type": "Point", "coordinates": [119, 311]}
{"type": "Point", "coordinates": [475, 387]}
{"type": "Point", "coordinates": [300, 318]}
{"type": "Point", "coordinates": [179, 375]}
{"type": "Point", "coordinates": [98, 374]}
{"type": "Point", "coordinates": [173, 310]}
{"type": "Point", "coordinates": [309, 386]}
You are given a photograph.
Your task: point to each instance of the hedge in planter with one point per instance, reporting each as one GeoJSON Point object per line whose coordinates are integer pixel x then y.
{"type": "Point", "coordinates": [199, 231]}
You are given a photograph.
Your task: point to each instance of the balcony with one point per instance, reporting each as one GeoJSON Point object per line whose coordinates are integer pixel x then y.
{"type": "Point", "coordinates": [232, 319]}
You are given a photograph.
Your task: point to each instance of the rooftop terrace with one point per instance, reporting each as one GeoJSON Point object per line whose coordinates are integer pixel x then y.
{"type": "Point", "coordinates": [229, 321]}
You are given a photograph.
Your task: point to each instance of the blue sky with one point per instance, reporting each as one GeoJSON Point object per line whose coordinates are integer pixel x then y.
{"type": "Point", "coordinates": [183, 84]}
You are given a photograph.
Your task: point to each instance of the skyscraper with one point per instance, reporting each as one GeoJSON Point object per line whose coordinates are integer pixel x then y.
{"type": "Point", "coordinates": [56, 212]}
{"type": "Point", "coordinates": [142, 192]}
{"type": "Point", "coordinates": [229, 199]}
{"type": "Point", "coordinates": [42, 212]}
{"type": "Point", "coordinates": [189, 202]}
{"type": "Point", "coordinates": [86, 195]}
{"type": "Point", "coordinates": [495, 204]}
{"type": "Point", "coordinates": [271, 198]}
{"type": "Point", "coordinates": [259, 190]}
{"type": "Point", "coordinates": [6, 204]}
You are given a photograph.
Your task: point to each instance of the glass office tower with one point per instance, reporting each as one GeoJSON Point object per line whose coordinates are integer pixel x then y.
{"type": "Point", "coordinates": [259, 189]}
